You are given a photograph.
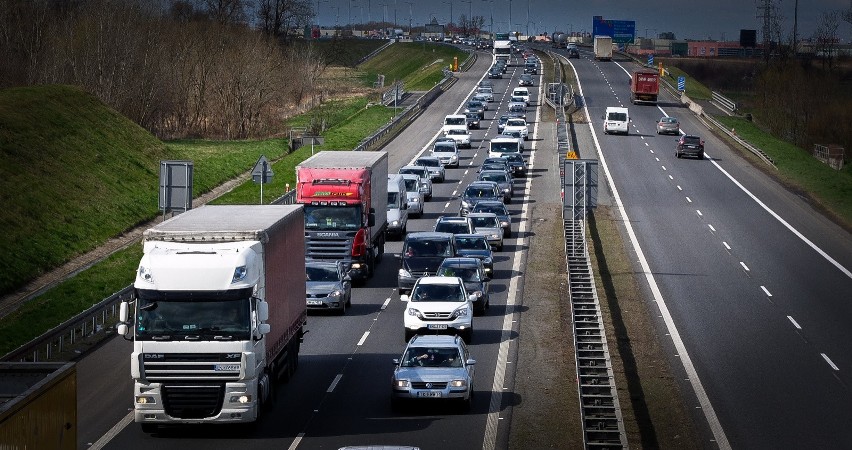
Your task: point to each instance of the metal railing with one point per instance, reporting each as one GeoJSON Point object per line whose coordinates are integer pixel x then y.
{"type": "Point", "coordinates": [723, 101]}
{"type": "Point", "coordinates": [376, 51]}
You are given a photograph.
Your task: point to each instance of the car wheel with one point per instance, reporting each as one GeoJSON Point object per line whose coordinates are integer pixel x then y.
{"type": "Point", "coordinates": [466, 403]}
{"type": "Point", "coordinates": [508, 199]}
{"type": "Point", "coordinates": [349, 299]}
{"type": "Point", "coordinates": [342, 310]}
{"type": "Point", "coordinates": [677, 154]}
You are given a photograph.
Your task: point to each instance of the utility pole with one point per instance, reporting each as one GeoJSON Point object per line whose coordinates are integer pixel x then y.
{"type": "Point", "coordinates": [528, 18]}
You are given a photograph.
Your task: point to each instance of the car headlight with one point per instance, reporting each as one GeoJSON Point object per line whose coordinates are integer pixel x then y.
{"type": "Point", "coordinates": [416, 313]}
{"type": "Point", "coordinates": [458, 383]}
{"type": "Point", "coordinates": [415, 200]}
{"type": "Point", "coordinates": [336, 293]}
{"type": "Point", "coordinates": [466, 204]}
{"type": "Point", "coordinates": [395, 223]}
{"type": "Point", "coordinates": [504, 223]}
{"type": "Point", "coordinates": [495, 236]}
{"type": "Point", "coordinates": [400, 384]}
{"type": "Point", "coordinates": [505, 189]}
{"type": "Point", "coordinates": [461, 312]}
{"type": "Point", "coordinates": [404, 273]}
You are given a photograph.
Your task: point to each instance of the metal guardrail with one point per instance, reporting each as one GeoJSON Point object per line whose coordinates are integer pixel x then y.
{"type": "Point", "coordinates": [725, 102]}
{"type": "Point", "coordinates": [63, 343]}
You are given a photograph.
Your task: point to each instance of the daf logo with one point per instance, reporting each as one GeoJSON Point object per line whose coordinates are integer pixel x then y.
{"type": "Point", "coordinates": [428, 385]}
{"type": "Point", "coordinates": [328, 234]}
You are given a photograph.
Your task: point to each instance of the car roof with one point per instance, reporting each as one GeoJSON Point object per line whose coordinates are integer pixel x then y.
{"type": "Point", "coordinates": [461, 261]}
{"type": "Point", "coordinates": [409, 176]}
{"type": "Point", "coordinates": [418, 168]}
{"type": "Point", "coordinates": [439, 280]}
{"type": "Point", "coordinates": [480, 183]}
{"type": "Point", "coordinates": [428, 235]}
{"type": "Point", "coordinates": [490, 203]}
{"type": "Point", "coordinates": [482, 214]}
{"type": "Point", "coordinates": [470, 236]}
{"type": "Point", "coordinates": [452, 219]}
{"type": "Point", "coordinates": [435, 340]}
{"type": "Point", "coordinates": [430, 158]}
{"type": "Point", "coordinates": [494, 171]}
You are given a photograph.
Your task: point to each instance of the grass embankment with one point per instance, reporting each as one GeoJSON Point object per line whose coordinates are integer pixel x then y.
{"type": "Point", "coordinates": [419, 65]}
{"type": "Point", "coordinates": [343, 51]}
{"type": "Point", "coordinates": [694, 89]}
{"type": "Point", "coordinates": [348, 121]}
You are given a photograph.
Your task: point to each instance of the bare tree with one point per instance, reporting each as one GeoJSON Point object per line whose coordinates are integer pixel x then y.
{"type": "Point", "coordinates": [278, 17]}
{"type": "Point", "coordinates": [226, 12]}
{"type": "Point", "coordinates": [826, 37]}
{"type": "Point", "coordinates": [24, 30]}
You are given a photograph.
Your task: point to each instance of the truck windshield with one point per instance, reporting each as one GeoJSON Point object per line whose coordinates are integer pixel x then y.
{"type": "Point", "coordinates": [345, 217]}
{"type": "Point", "coordinates": [217, 315]}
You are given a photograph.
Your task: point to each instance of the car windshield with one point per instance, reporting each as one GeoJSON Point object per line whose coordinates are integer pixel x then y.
{"type": "Point", "coordinates": [437, 293]}
{"type": "Point", "coordinates": [443, 148]}
{"type": "Point", "coordinates": [465, 273]}
{"type": "Point", "coordinates": [516, 123]}
{"type": "Point", "coordinates": [500, 210]}
{"type": "Point", "coordinates": [393, 200]}
{"type": "Point", "coordinates": [431, 357]}
{"type": "Point", "coordinates": [472, 243]}
{"type": "Point", "coordinates": [495, 177]}
{"type": "Point", "coordinates": [514, 158]}
{"type": "Point", "coordinates": [479, 192]}
{"type": "Point", "coordinates": [503, 119]}
{"type": "Point", "coordinates": [429, 162]}
{"type": "Point", "coordinates": [516, 108]}
{"type": "Point", "coordinates": [411, 185]}
{"type": "Point", "coordinates": [668, 120]}
{"type": "Point", "coordinates": [454, 121]}
{"type": "Point", "coordinates": [621, 117]}
{"type": "Point", "coordinates": [504, 146]}
{"type": "Point", "coordinates": [321, 273]}
{"type": "Point", "coordinates": [452, 227]}
{"type": "Point", "coordinates": [421, 171]}
{"type": "Point", "coordinates": [484, 222]}
{"type": "Point", "coordinates": [427, 248]}
{"type": "Point", "coordinates": [456, 132]}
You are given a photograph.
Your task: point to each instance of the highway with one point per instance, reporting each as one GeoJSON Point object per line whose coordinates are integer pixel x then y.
{"type": "Point", "coordinates": [752, 285]}
{"type": "Point", "coordinates": [340, 394]}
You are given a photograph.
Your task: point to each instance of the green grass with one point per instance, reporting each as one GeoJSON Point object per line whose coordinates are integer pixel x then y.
{"type": "Point", "coordinates": [69, 298]}
{"type": "Point", "coordinates": [74, 173]}
{"type": "Point", "coordinates": [419, 65]}
{"type": "Point", "coordinates": [694, 89]}
{"type": "Point", "coordinates": [343, 52]}
{"type": "Point", "coordinates": [215, 162]}
{"type": "Point", "coordinates": [831, 188]}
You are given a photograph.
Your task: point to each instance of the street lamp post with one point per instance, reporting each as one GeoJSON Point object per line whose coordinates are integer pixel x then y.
{"type": "Point", "coordinates": [451, 14]}
{"type": "Point", "coordinates": [466, 25]}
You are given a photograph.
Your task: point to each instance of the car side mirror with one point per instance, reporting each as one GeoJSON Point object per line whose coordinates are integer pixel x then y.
{"type": "Point", "coordinates": [470, 362]}
{"type": "Point", "coordinates": [404, 297]}
{"type": "Point", "coordinates": [395, 361]}
{"type": "Point", "coordinates": [347, 278]}
{"type": "Point", "coordinates": [472, 297]}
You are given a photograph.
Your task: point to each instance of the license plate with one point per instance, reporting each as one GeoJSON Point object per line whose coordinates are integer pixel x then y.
{"type": "Point", "coordinates": [429, 394]}
{"type": "Point", "coordinates": [314, 302]}
{"type": "Point", "coordinates": [437, 326]}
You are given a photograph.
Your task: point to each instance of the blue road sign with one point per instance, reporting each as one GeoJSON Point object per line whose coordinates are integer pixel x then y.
{"type": "Point", "coordinates": [650, 60]}
{"type": "Point", "coordinates": [681, 83]}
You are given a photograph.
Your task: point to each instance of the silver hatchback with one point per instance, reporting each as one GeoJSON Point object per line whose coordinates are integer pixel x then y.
{"type": "Point", "coordinates": [433, 367]}
{"type": "Point", "coordinates": [668, 125]}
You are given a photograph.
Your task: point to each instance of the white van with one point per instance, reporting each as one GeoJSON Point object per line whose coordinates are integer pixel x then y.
{"type": "Point", "coordinates": [616, 120]}
{"type": "Point", "coordinates": [500, 146]}
{"type": "Point", "coordinates": [522, 92]}
{"type": "Point", "coordinates": [454, 122]}
{"type": "Point", "coordinates": [397, 207]}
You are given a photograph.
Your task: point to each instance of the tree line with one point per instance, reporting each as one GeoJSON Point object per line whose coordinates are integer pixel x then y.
{"type": "Point", "coordinates": [178, 68]}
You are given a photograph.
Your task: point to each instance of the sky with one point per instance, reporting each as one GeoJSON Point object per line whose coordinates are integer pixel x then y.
{"type": "Point", "coordinates": [687, 19]}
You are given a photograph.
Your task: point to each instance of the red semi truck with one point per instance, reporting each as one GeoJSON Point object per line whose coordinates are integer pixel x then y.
{"type": "Point", "coordinates": [644, 86]}
{"type": "Point", "coordinates": [345, 197]}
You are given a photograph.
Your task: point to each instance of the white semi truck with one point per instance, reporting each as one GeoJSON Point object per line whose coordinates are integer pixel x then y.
{"type": "Point", "coordinates": [218, 314]}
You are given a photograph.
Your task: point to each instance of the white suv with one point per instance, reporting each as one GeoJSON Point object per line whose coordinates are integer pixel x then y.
{"type": "Point", "coordinates": [439, 305]}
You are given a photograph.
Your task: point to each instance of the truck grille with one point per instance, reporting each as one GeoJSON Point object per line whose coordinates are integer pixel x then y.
{"type": "Point", "coordinates": [191, 366]}
{"type": "Point", "coordinates": [328, 248]}
{"type": "Point", "coordinates": [196, 401]}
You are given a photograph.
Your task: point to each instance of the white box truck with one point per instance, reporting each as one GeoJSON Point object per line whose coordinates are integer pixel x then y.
{"type": "Point", "coordinates": [218, 314]}
{"type": "Point", "coordinates": [603, 48]}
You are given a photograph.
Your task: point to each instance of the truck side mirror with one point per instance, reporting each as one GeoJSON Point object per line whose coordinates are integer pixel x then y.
{"type": "Point", "coordinates": [371, 218]}
{"type": "Point", "coordinates": [262, 311]}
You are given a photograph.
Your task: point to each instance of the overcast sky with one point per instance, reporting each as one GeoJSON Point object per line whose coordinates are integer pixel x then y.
{"type": "Point", "coordinates": [686, 18]}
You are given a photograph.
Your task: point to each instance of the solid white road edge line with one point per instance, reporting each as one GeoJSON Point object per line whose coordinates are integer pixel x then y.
{"type": "Point", "coordinates": [490, 440]}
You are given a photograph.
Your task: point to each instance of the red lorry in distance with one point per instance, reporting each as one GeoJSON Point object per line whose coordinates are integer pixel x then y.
{"type": "Point", "coordinates": [345, 198]}
{"type": "Point", "coordinates": [644, 86]}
